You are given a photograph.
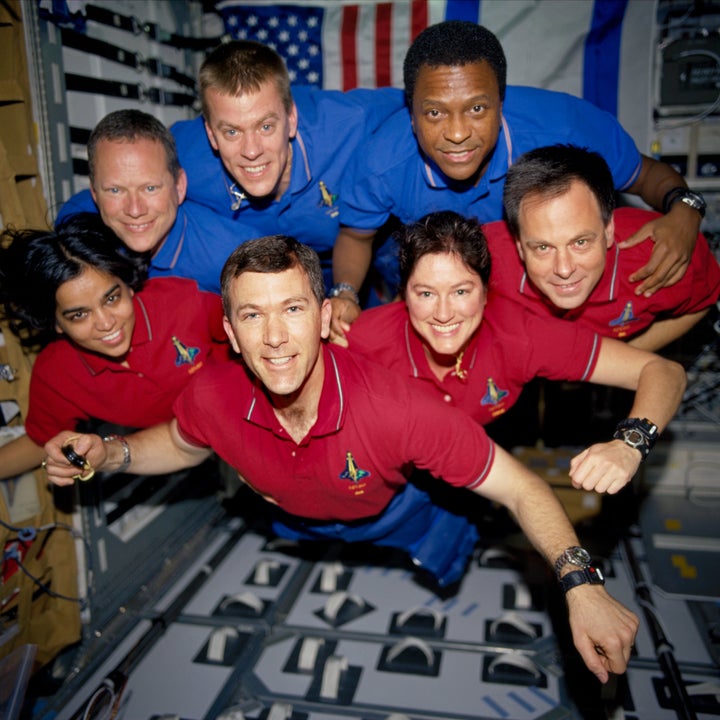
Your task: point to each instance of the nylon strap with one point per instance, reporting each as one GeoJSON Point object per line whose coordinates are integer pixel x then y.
{"type": "Point", "coordinates": [101, 48]}
{"type": "Point", "coordinates": [131, 24]}
{"type": "Point", "coordinates": [127, 91]}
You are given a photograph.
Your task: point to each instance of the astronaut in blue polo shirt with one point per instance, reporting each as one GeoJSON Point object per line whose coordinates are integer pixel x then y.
{"type": "Point", "coordinates": [138, 187]}
{"type": "Point", "coordinates": [272, 158]}
{"type": "Point", "coordinates": [451, 149]}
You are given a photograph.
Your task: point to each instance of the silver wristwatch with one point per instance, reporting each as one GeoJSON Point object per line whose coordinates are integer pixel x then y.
{"type": "Point", "coordinates": [577, 556]}
{"type": "Point", "coordinates": [694, 199]}
{"type": "Point", "coordinates": [342, 287]}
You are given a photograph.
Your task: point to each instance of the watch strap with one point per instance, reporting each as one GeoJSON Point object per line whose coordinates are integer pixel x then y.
{"type": "Point", "coordinates": [588, 575]}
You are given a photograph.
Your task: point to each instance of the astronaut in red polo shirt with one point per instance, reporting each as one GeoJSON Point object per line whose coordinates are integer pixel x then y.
{"type": "Point", "coordinates": [177, 326]}
{"type": "Point", "coordinates": [568, 261]}
{"type": "Point", "coordinates": [477, 349]}
{"type": "Point", "coordinates": [329, 438]}
{"type": "Point", "coordinates": [486, 373]}
{"type": "Point", "coordinates": [116, 348]}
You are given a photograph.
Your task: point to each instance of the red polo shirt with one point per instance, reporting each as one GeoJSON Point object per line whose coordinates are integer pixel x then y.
{"type": "Point", "coordinates": [176, 326]}
{"type": "Point", "coordinates": [510, 348]}
{"type": "Point", "coordinates": [613, 309]}
{"type": "Point", "coordinates": [371, 427]}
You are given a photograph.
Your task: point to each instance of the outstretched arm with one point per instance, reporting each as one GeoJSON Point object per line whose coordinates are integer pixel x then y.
{"type": "Point", "coordinates": [603, 630]}
{"type": "Point", "coordinates": [608, 467]}
{"type": "Point", "coordinates": [155, 451]}
{"type": "Point", "coordinates": [674, 234]}
{"type": "Point", "coordinates": [352, 255]}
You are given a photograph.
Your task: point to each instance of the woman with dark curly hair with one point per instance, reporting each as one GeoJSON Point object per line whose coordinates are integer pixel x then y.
{"type": "Point", "coordinates": [114, 347]}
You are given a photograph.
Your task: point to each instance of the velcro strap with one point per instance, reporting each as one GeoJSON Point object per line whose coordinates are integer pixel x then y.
{"type": "Point", "coordinates": [94, 46]}
{"type": "Point", "coordinates": [131, 24]}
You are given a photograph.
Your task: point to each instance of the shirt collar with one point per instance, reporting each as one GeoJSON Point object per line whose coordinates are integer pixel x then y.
{"type": "Point", "coordinates": [300, 174]}
{"type": "Point", "coordinates": [169, 252]}
{"type": "Point", "coordinates": [608, 288]}
{"type": "Point", "coordinates": [331, 408]}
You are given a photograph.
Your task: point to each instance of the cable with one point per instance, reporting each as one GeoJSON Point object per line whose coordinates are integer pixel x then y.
{"type": "Point", "coordinates": [14, 554]}
{"type": "Point", "coordinates": [28, 534]}
{"type": "Point", "coordinates": [663, 648]}
{"type": "Point", "coordinates": [677, 22]}
{"type": "Point", "coordinates": [43, 528]}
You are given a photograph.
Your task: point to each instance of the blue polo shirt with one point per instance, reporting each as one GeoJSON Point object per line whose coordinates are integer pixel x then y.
{"type": "Point", "coordinates": [198, 244]}
{"type": "Point", "coordinates": [332, 127]}
{"type": "Point", "coordinates": [392, 177]}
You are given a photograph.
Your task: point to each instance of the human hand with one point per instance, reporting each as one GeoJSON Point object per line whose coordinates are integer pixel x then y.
{"type": "Point", "coordinates": [60, 470]}
{"type": "Point", "coordinates": [344, 313]}
{"type": "Point", "coordinates": [605, 467]}
{"type": "Point", "coordinates": [603, 630]}
{"type": "Point", "coordinates": [674, 236]}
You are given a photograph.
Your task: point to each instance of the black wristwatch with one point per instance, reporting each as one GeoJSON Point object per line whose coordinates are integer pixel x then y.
{"type": "Point", "coordinates": [575, 555]}
{"type": "Point", "coordinates": [589, 574]}
{"type": "Point", "coordinates": [694, 199]}
{"type": "Point", "coordinates": [638, 434]}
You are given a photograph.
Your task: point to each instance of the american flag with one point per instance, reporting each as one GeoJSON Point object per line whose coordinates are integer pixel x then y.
{"type": "Point", "coordinates": [341, 45]}
{"type": "Point", "coordinates": [569, 45]}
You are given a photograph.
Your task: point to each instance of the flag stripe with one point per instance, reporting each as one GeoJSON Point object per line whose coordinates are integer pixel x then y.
{"type": "Point", "coordinates": [348, 45]}
{"type": "Point", "coordinates": [419, 18]}
{"type": "Point", "coordinates": [365, 44]}
{"type": "Point", "coordinates": [383, 31]}
{"type": "Point", "coordinates": [400, 40]}
{"type": "Point", "coordinates": [332, 59]}
{"type": "Point", "coordinates": [601, 66]}
{"type": "Point", "coordinates": [463, 10]}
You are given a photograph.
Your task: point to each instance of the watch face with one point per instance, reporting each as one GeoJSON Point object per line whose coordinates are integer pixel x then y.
{"type": "Point", "coordinates": [634, 438]}
{"type": "Point", "coordinates": [694, 200]}
{"type": "Point", "coordinates": [573, 556]}
{"type": "Point", "coordinates": [579, 556]}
